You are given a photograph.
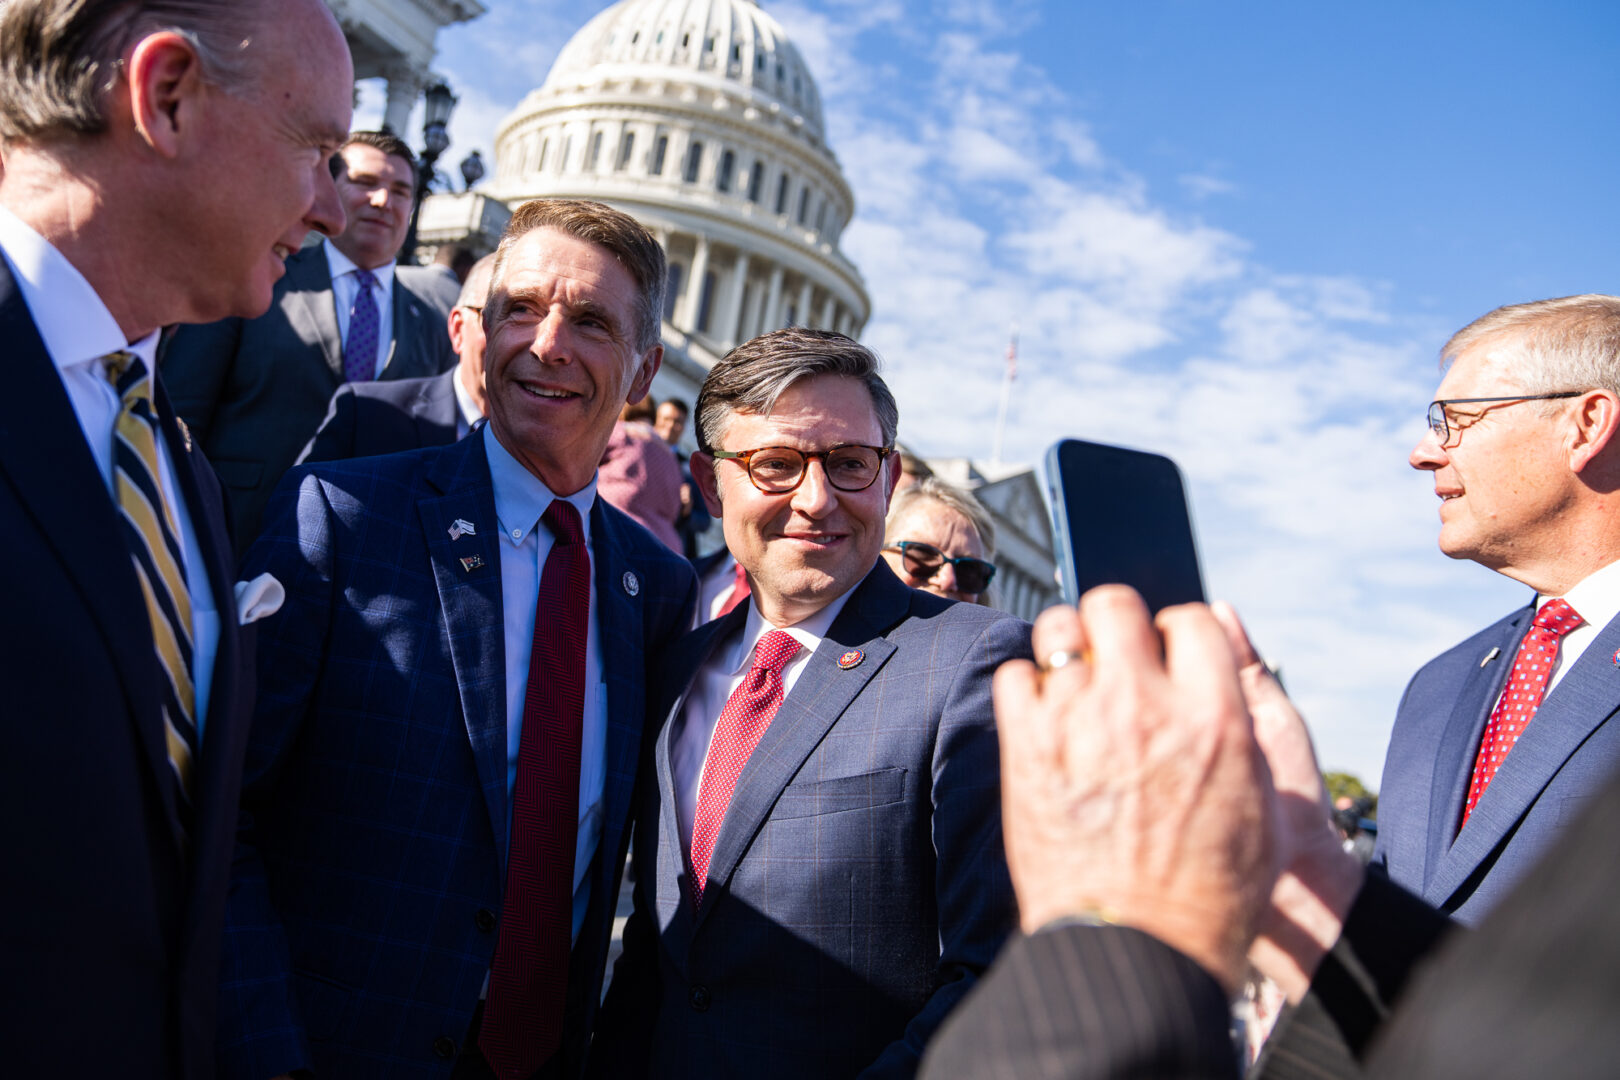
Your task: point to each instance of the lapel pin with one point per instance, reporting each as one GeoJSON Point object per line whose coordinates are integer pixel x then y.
{"type": "Point", "coordinates": [470, 563]}
{"type": "Point", "coordinates": [632, 584]}
{"type": "Point", "coordinates": [185, 432]}
{"type": "Point", "coordinates": [850, 659]}
{"type": "Point", "coordinates": [1495, 652]}
{"type": "Point", "coordinates": [462, 527]}
{"type": "Point", "coordinates": [1617, 658]}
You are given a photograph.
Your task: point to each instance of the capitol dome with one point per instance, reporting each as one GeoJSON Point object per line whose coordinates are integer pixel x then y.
{"type": "Point", "coordinates": [700, 119]}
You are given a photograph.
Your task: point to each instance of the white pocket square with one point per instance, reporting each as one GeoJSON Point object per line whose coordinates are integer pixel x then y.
{"type": "Point", "coordinates": [260, 597]}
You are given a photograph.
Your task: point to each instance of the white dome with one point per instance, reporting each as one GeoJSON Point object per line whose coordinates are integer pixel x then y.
{"type": "Point", "coordinates": [730, 41]}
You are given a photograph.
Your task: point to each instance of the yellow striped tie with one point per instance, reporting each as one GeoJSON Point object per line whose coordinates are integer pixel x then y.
{"type": "Point", "coordinates": [153, 535]}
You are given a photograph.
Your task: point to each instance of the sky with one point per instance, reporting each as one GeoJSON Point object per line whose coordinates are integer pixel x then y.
{"type": "Point", "coordinates": [1236, 234]}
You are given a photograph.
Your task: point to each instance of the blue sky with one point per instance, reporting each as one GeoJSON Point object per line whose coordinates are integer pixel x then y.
{"type": "Point", "coordinates": [1234, 233]}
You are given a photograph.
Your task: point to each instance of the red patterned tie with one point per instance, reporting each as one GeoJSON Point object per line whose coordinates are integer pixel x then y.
{"type": "Point", "coordinates": [523, 1017]}
{"type": "Point", "coordinates": [743, 721]}
{"type": "Point", "coordinates": [1526, 685]}
{"type": "Point", "coordinates": [739, 591]}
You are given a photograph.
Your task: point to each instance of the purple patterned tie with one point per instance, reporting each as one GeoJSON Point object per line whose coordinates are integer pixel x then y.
{"type": "Point", "coordinates": [360, 349]}
{"type": "Point", "coordinates": [529, 978]}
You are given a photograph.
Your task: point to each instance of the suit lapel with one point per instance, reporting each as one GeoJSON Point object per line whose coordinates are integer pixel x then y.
{"type": "Point", "coordinates": [1583, 700]}
{"type": "Point", "coordinates": [435, 409]}
{"type": "Point", "coordinates": [467, 571]}
{"type": "Point", "coordinates": [44, 455]}
{"type": "Point", "coordinates": [819, 697]}
{"type": "Point", "coordinates": [311, 305]}
{"type": "Point", "coordinates": [1459, 744]}
{"type": "Point", "coordinates": [619, 630]}
{"type": "Point", "coordinates": [413, 320]}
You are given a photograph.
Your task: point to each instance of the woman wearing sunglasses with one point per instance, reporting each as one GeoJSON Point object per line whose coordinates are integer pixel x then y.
{"type": "Point", "coordinates": [938, 537]}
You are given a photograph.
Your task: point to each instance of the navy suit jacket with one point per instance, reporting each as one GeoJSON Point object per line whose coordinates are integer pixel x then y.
{"type": "Point", "coordinates": [255, 390]}
{"type": "Point", "coordinates": [367, 895]}
{"type": "Point", "coordinates": [372, 418]}
{"type": "Point", "coordinates": [1558, 765]}
{"type": "Point", "coordinates": [858, 885]}
{"type": "Point", "coordinates": [110, 926]}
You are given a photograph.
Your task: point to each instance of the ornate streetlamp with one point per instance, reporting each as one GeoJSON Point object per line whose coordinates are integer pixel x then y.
{"type": "Point", "coordinates": [438, 103]}
{"type": "Point", "coordinates": [472, 169]}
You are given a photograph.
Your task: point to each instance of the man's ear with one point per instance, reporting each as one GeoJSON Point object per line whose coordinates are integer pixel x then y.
{"type": "Point", "coordinates": [702, 466]}
{"type": "Point", "coordinates": [1597, 417]}
{"type": "Point", "coordinates": [458, 318]}
{"type": "Point", "coordinates": [164, 84]}
{"type": "Point", "coordinates": [891, 465]}
{"type": "Point", "coordinates": [651, 361]}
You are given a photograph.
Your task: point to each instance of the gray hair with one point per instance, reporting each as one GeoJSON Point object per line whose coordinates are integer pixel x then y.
{"type": "Point", "coordinates": [962, 501]}
{"type": "Point", "coordinates": [60, 58]}
{"type": "Point", "coordinates": [475, 290]}
{"type": "Point", "coordinates": [1571, 343]}
{"type": "Point", "coordinates": [752, 376]}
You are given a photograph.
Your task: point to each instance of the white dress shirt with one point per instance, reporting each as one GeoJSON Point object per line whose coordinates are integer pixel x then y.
{"type": "Point", "coordinates": [1597, 601]}
{"type": "Point", "coordinates": [345, 287]}
{"type": "Point", "coordinates": [715, 590]}
{"type": "Point", "coordinates": [520, 499]}
{"type": "Point", "coordinates": [467, 411]}
{"type": "Point", "coordinates": [712, 688]}
{"type": "Point", "coordinates": [78, 331]}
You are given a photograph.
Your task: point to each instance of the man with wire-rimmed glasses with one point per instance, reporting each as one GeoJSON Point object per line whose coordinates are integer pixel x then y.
{"type": "Point", "coordinates": [819, 867]}
{"type": "Point", "coordinates": [1499, 740]}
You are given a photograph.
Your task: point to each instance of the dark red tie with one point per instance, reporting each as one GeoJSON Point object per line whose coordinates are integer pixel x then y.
{"type": "Point", "coordinates": [1526, 685]}
{"type": "Point", "coordinates": [739, 591]}
{"type": "Point", "coordinates": [523, 1016]}
{"type": "Point", "coordinates": [742, 723]}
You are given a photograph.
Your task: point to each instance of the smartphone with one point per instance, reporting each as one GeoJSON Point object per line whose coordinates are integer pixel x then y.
{"type": "Point", "coordinates": [1121, 516]}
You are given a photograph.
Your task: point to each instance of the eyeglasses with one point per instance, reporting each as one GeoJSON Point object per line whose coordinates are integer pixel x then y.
{"type": "Point", "coordinates": [777, 470]}
{"type": "Point", "coordinates": [1437, 409]}
{"type": "Point", "coordinates": [922, 561]}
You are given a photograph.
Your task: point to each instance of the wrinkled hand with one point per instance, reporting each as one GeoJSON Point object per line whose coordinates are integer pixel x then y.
{"type": "Point", "coordinates": [1319, 879]}
{"type": "Point", "coordinates": [1132, 785]}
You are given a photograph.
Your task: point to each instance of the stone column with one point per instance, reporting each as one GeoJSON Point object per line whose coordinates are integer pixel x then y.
{"type": "Point", "coordinates": [404, 87]}
{"type": "Point", "coordinates": [731, 308]}
{"type": "Point", "coordinates": [846, 323]}
{"type": "Point", "coordinates": [829, 313]}
{"type": "Point", "coordinates": [686, 315]}
{"type": "Point", "coordinates": [751, 317]}
{"type": "Point", "coordinates": [773, 303]}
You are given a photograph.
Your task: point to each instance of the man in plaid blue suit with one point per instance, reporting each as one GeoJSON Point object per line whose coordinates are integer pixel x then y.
{"type": "Point", "coordinates": [368, 892]}
{"type": "Point", "coordinates": [819, 912]}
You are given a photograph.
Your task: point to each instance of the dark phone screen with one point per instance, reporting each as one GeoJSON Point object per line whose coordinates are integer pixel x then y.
{"type": "Point", "coordinates": [1121, 517]}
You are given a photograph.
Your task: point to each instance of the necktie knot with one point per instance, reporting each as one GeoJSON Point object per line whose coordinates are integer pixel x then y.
{"type": "Point", "coordinates": [365, 279]}
{"type": "Point", "coordinates": [124, 369]}
{"type": "Point", "coordinates": [774, 651]}
{"type": "Point", "coordinates": [1558, 617]}
{"type": "Point", "coordinates": [563, 521]}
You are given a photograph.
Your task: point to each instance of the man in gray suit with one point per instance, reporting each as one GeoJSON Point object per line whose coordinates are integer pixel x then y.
{"type": "Point", "coordinates": [370, 418]}
{"type": "Point", "coordinates": [819, 870]}
{"type": "Point", "coordinates": [254, 390]}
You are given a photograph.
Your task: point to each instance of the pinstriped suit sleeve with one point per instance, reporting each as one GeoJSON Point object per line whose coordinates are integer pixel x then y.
{"type": "Point", "coordinates": [1088, 1003]}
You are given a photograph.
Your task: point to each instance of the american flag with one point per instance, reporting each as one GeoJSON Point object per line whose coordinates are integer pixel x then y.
{"type": "Point", "coordinates": [1012, 357]}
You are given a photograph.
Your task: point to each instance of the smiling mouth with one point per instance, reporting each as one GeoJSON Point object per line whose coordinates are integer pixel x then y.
{"type": "Point", "coordinates": [547, 393]}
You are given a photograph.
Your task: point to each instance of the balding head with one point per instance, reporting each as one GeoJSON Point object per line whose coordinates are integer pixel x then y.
{"type": "Point", "coordinates": [467, 328]}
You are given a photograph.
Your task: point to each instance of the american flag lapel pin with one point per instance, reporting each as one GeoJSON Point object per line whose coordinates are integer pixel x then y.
{"type": "Point", "coordinates": [462, 527]}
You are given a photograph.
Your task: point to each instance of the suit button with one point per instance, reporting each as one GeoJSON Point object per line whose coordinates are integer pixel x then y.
{"type": "Point", "coordinates": [484, 920]}
{"type": "Point", "coordinates": [700, 998]}
{"type": "Point", "coordinates": [444, 1046]}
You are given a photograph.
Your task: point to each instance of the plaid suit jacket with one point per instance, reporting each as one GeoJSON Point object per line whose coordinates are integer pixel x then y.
{"type": "Point", "coordinates": [858, 885]}
{"type": "Point", "coordinates": [370, 863]}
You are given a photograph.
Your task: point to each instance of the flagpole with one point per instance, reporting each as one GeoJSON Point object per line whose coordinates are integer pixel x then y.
{"type": "Point", "coordinates": [1006, 398]}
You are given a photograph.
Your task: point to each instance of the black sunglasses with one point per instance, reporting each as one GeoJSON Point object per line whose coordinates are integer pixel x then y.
{"type": "Point", "coordinates": [922, 561]}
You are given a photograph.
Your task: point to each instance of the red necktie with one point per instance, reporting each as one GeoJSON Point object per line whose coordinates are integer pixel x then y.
{"type": "Point", "coordinates": [743, 721]}
{"type": "Point", "coordinates": [1526, 685]}
{"type": "Point", "coordinates": [739, 591]}
{"type": "Point", "coordinates": [523, 1017]}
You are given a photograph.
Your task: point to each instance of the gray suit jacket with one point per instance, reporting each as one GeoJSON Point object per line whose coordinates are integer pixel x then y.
{"type": "Point", "coordinates": [1557, 767]}
{"type": "Point", "coordinates": [368, 419]}
{"type": "Point", "coordinates": [858, 885]}
{"type": "Point", "coordinates": [254, 390]}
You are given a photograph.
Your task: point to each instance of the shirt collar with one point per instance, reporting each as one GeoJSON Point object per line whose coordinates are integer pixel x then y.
{"type": "Point", "coordinates": [340, 264]}
{"type": "Point", "coordinates": [521, 497]}
{"type": "Point", "coordinates": [71, 319]}
{"type": "Point", "coordinates": [470, 411]}
{"type": "Point", "coordinates": [1596, 599]}
{"type": "Point", "coordinates": [808, 632]}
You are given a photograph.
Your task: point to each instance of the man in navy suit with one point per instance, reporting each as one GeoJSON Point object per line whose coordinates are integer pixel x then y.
{"type": "Point", "coordinates": [1482, 773]}
{"type": "Point", "coordinates": [159, 167]}
{"type": "Point", "coordinates": [255, 390]}
{"type": "Point", "coordinates": [819, 872]}
{"type": "Point", "coordinates": [389, 814]}
{"type": "Point", "coordinates": [370, 418]}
